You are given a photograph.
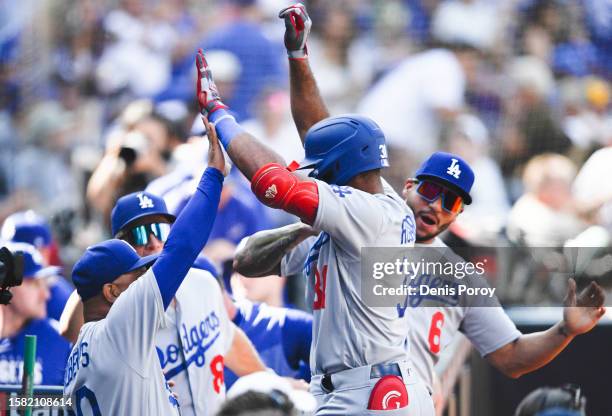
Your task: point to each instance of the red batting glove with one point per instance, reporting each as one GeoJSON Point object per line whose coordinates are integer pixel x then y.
{"type": "Point", "coordinates": [206, 90]}
{"type": "Point", "coordinates": [297, 28]}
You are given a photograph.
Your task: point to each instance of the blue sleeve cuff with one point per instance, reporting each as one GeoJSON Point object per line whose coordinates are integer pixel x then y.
{"type": "Point", "coordinates": [226, 126]}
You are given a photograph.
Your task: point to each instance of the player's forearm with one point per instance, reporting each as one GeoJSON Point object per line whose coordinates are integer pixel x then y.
{"type": "Point", "coordinates": [188, 235]}
{"type": "Point", "coordinates": [242, 358]}
{"type": "Point", "coordinates": [530, 351]}
{"type": "Point", "coordinates": [264, 250]}
{"type": "Point", "coordinates": [246, 152]}
{"type": "Point", "coordinates": [104, 182]}
{"type": "Point", "coordinates": [307, 106]}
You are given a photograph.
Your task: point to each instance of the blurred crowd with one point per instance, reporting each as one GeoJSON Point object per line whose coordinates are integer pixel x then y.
{"type": "Point", "coordinates": [97, 101]}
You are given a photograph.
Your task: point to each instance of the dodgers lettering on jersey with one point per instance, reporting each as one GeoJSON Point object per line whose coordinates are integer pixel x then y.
{"type": "Point", "coordinates": [192, 346]}
{"type": "Point", "coordinates": [113, 368]}
{"type": "Point", "coordinates": [348, 333]}
{"type": "Point", "coordinates": [433, 328]}
{"type": "Point", "coordinates": [51, 354]}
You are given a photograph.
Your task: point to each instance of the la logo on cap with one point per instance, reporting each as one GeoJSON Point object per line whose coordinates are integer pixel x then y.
{"type": "Point", "coordinates": [453, 169]}
{"type": "Point", "coordinates": [144, 201]}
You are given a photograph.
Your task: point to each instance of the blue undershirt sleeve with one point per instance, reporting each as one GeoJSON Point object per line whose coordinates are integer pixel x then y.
{"type": "Point", "coordinates": [188, 235]}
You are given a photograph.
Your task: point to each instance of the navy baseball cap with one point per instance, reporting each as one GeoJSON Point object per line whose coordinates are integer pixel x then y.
{"type": "Point", "coordinates": [450, 171]}
{"type": "Point", "coordinates": [136, 205]}
{"type": "Point", "coordinates": [33, 264]}
{"type": "Point", "coordinates": [103, 263]}
{"type": "Point", "coordinates": [27, 227]}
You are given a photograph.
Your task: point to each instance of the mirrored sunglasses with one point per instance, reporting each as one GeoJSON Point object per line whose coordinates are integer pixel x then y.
{"type": "Point", "coordinates": [431, 191]}
{"type": "Point", "coordinates": [140, 234]}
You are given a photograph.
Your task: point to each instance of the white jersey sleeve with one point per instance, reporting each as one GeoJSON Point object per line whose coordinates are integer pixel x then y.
{"type": "Point", "coordinates": [488, 328]}
{"type": "Point", "coordinates": [133, 320]}
{"type": "Point", "coordinates": [352, 218]}
{"type": "Point", "coordinates": [293, 262]}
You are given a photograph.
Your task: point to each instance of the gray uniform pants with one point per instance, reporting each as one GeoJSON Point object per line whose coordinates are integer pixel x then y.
{"type": "Point", "coordinates": [352, 390]}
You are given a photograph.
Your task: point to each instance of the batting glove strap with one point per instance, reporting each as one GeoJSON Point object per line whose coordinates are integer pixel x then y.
{"type": "Point", "coordinates": [301, 54]}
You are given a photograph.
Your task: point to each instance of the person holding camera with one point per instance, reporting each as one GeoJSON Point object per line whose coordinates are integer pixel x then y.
{"type": "Point", "coordinates": [136, 153]}
{"type": "Point", "coordinates": [26, 314]}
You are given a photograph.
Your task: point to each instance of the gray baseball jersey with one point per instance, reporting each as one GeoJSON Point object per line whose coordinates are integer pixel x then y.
{"type": "Point", "coordinates": [433, 328]}
{"type": "Point", "coordinates": [347, 333]}
{"type": "Point", "coordinates": [113, 368]}
{"type": "Point", "coordinates": [191, 348]}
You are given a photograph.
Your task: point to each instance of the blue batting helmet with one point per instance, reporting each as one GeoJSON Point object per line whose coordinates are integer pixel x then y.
{"type": "Point", "coordinates": [338, 148]}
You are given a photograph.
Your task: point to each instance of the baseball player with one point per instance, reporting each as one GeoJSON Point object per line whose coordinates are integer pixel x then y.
{"type": "Point", "coordinates": [113, 368]}
{"type": "Point", "coordinates": [436, 197]}
{"type": "Point", "coordinates": [357, 358]}
{"type": "Point", "coordinates": [199, 337]}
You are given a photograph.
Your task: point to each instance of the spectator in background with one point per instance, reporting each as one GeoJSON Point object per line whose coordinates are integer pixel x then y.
{"type": "Point", "coordinates": [341, 73]}
{"type": "Point", "coordinates": [474, 22]}
{"type": "Point", "coordinates": [531, 127]}
{"type": "Point", "coordinates": [593, 189]}
{"type": "Point", "coordinates": [27, 315]}
{"type": "Point", "coordinates": [28, 227]}
{"type": "Point", "coordinates": [41, 171]}
{"type": "Point", "coordinates": [261, 59]}
{"type": "Point", "coordinates": [598, 19]}
{"type": "Point", "coordinates": [482, 220]}
{"type": "Point", "coordinates": [137, 152]}
{"type": "Point", "coordinates": [413, 101]}
{"type": "Point", "coordinates": [588, 119]}
{"type": "Point", "coordinates": [136, 36]}
{"type": "Point", "coordinates": [420, 14]}
{"type": "Point", "coordinates": [545, 216]}
{"type": "Point", "coordinates": [274, 126]}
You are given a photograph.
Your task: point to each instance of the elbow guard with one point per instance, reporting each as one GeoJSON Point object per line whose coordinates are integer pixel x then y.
{"type": "Point", "coordinates": [276, 187]}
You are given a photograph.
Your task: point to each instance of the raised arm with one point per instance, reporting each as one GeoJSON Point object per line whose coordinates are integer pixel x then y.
{"type": "Point", "coordinates": [272, 183]}
{"type": "Point", "coordinates": [247, 153]}
{"type": "Point", "coordinates": [307, 106]}
{"type": "Point", "coordinates": [192, 227]}
{"type": "Point", "coordinates": [533, 351]}
{"type": "Point", "coordinates": [262, 252]}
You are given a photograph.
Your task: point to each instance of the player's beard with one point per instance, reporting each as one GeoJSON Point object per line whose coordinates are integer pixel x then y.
{"type": "Point", "coordinates": [420, 238]}
{"type": "Point", "coordinates": [426, 237]}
